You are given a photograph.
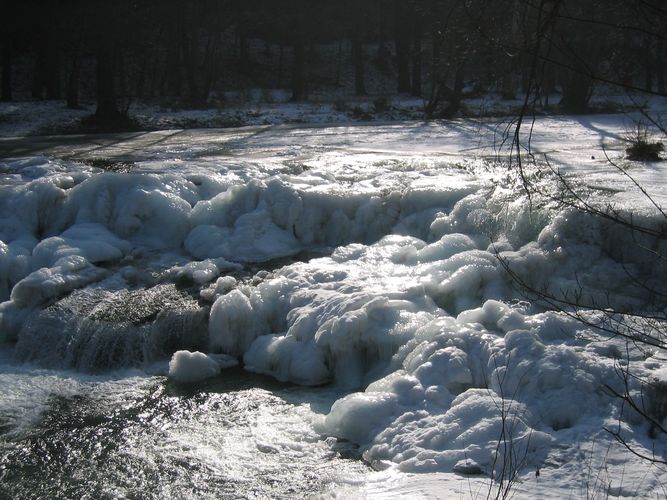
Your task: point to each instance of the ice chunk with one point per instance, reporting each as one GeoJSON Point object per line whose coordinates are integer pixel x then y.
{"type": "Point", "coordinates": [187, 367]}
{"type": "Point", "coordinates": [287, 359]}
{"type": "Point", "coordinates": [140, 208]}
{"type": "Point", "coordinates": [220, 287]}
{"type": "Point", "coordinates": [254, 238]}
{"type": "Point", "coordinates": [67, 274]}
{"type": "Point", "coordinates": [467, 467]}
{"type": "Point", "coordinates": [360, 416]}
{"type": "Point", "coordinates": [234, 324]}
{"type": "Point", "coordinates": [92, 241]}
{"type": "Point", "coordinates": [15, 264]}
{"type": "Point", "coordinates": [445, 247]}
{"type": "Point", "coordinates": [201, 272]}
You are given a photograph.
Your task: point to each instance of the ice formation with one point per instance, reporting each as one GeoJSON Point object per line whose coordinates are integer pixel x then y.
{"type": "Point", "coordinates": [389, 281]}
{"type": "Point", "coordinates": [188, 367]}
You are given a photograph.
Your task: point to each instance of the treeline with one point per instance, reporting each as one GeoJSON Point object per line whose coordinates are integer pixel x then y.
{"type": "Point", "coordinates": [190, 52]}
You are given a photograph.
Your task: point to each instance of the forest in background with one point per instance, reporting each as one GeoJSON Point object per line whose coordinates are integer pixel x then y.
{"type": "Point", "coordinates": [189, 53]}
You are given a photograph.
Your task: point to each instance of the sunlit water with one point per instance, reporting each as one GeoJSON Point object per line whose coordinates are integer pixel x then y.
{"type": "Point", "coordinates": [66, 435]}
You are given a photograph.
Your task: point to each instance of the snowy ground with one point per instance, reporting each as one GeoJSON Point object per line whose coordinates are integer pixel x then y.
{"type": "Point", "coordinates": [272, 107]}
{"type": "Point", "coordinates": [361, 256]}
{"type": "Point", "coordinates": [31, 118]}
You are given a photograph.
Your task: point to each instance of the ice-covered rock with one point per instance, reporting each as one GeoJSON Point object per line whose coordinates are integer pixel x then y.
{"type": "Point", "coordinates": [188, 367]}
{"type": "Point", "coordinates": [67, 274]}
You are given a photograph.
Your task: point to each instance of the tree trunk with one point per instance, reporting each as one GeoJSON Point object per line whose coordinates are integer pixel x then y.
{"type": "Point", "coordinates": [402, 40]}
{"type": "Point", "coordinates": [140, 87]}
{"type": "Point", "coordinates": [244, 54]}
{"type": "Point", "coordinates": [173, 84]}
{"type": "Point", "coordinates": [107, 107]}
{"type": "Point", "coordinates": [648, 62]}
{"type": "Point", "coordinates": [358, 61]}
{"type": "Point", "coordinates": [507, 91]}
{"type": "Point", "coordinates": [509, 63]}
{"type": "Point", "coordinates": [73, 82]}
{"type": "Point", "coordinates": [37, 89]}
{"type": "Point", "coordinates": [191, 52]}
{"type": "Point", "coordinates": [435, 61]}
{"type": "Point", "coordinates": [577, 90]}
{"type": "Point", "coordinates": [660, 66]}
{"type": "Point", "coordinates": [339, 62]}
{"type": "Point", "coordinates": [417, 63]}
{"type": "Point", "coordinates": [6, 93]}
{"type": "Point", "coordinates": [281, 63]}
{"type": "Point", "coordinates": [52, 74]}
{"type": "Point", "coordinates": [456, 95]}
{"type": "Point", "coordinates": [298, 73]}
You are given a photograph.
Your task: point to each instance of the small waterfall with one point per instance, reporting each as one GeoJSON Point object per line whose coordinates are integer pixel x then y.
{"type": "Point", "coordinates": [94, 329]}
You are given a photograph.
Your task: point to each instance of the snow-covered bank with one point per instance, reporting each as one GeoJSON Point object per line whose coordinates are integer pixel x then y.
{"type": "Point", "coordinates": [31, 118]}
{"type": "Point", "coordinates": [365, 257]}
{"type": "Point", "coordinates": [258, 108]}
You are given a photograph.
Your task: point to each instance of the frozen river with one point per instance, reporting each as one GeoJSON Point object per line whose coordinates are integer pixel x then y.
{"type": "Point", "coordinates": [367, 279]}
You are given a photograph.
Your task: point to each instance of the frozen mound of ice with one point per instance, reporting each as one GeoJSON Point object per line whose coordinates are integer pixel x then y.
{"type": "Point", "coordinates": [447, 364]}
{"type": "Point", "coordinates": [67, 274]}
{"type": "Point", "coordinates": [204, 271]}
{"type": "Point", "coordinates": [354, 309]}
{"type": "Point", "coordinates": [15, 264]}
{"type": "Point", "coordinates": [92, 241]}
{"type": "Point", "coordinates": [253, 238]}
{"type": "Point", "coordinates": [188, 367]}
{"type": "Point", "coordinates": [141, 208]}
{"type": "Point", "coordinates": [464, 381]}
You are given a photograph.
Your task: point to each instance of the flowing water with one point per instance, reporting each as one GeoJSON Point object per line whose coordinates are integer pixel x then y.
{"type": "Point", "coordinates": [66, 435]}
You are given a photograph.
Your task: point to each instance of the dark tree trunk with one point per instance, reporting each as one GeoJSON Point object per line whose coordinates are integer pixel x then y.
{"type": "Point", "coordinates": [660, 67]}
{"type": "Point", "coordinates": [577, 91]}
{"type": "Point", "coordinates": [339, 62]}
{"type": "Point", "coordinates": [38, 77]}
{"type": "Point", "coordinates": [648, 62]}
{"type": "Point", "coordinates": [548, 83]}
{"type": "Point", "coordinates": [107, 106]}
{"type": "Point", "coordinates": [52, 73]}
{"type": "Point", "coordinates": [140, 88]}
{"type": "Point", "coordinates": [455, 95]}
{"type": "Point", "coordinates": [46, 70]}
{"type": "Point", "coordinates": [154, 75]}
{"type": "Point", "coordinates": [507, 91]}
{"type": "Point", "coordinates": [358, 61]}
{"type": "Point", "coordinates": [402, 40]}
{"type": "Point", "coordinates": [434, 92]}
{"type": "Point", "coordinates": [417, 63]}
{"type": "Point", "coordinates": [73, 82]}
{"type": "Point", "coordinates": [6, 92]}
{"type": "Point", "coordinates": [508, 63]}
{"type": "Point", "coordinates": [299, 72]}
{"type": "Point", "coordinates": [383, 54]}
{"type": "Point", "coordinates": [173, 82]}
{"type": "Point", "coordinates": [244, 54]}
{"type": "Point", "coordinates": [281, 63]}
{"type": "Point", "coordinates": [190, 53]}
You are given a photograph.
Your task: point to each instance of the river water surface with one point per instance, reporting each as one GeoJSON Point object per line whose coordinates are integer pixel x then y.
{"type": "Point", "coordinates": [67, 435]}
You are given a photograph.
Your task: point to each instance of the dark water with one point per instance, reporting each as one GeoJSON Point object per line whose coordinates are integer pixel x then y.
{"type": "Point", "coordinates": [236, 436]}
